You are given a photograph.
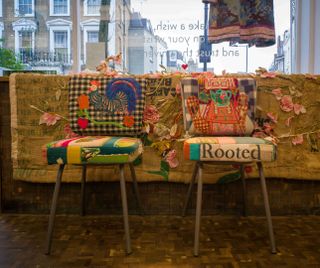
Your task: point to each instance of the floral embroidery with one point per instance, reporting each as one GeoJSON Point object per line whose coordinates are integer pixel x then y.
{"type": "Point", "coordinates": [171, 159]}
{"type": "Point", "coordinates": [50, 119]}
{"type": "Point", "coordinates": [151, 115]}
{"type": "Point", "coordinates": [286, 103]}
{"type": "Point", "coordinates": [298, 140]}
{"type": "Point", "coordinates": [128, 121]}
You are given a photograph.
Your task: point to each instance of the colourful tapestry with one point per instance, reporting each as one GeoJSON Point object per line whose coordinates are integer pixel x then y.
{"type": "Point", "coordinates": [220, 107]}
{"type": "Point", "coordinates": [242, 21]}
{"type": "Point", "coordinates": [287, 113]}
{"type": "Point", "coordinates": [106, 105]}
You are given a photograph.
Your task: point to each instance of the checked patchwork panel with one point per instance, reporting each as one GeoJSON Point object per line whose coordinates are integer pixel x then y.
{"type": "Point", "coordinates": [106, 106]}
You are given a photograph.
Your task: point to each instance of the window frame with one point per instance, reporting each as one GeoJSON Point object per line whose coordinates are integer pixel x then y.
{"type": "Point", "coordinates": [1, 12]}
{"type": "Point", "coordinates": [86, 8]}
{"type": "Point", "coordinates": [60, 25]}
{"type": "Point", "coordinates": [17, 13]}
{"type": "Point", "coordinates": [52, 14]}
{"type": "Point", "coordinates": [20, 25]}
{"type": "Point", "coordinates": [88, 26]}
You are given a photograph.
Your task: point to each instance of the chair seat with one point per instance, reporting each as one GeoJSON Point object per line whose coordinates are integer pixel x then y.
{"type": "Point", "coordinates": [229, 149]}
{"type": "Point", "coordinates": [93, 150]}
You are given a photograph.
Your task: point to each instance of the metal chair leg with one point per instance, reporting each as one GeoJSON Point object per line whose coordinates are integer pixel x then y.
{"type": "Point", "coordinates": [135, 188]}
{"type": "Point", "coordinates": [198, 211]}
{"type": "Point", "coordinates": [267, 207]}
{"type": "Point", "coordinates": [54, 209]}
{"type": "Point", "coordinates": [125, 209]}
{"type": "Point", "coordinates": [194, 176]}
{"type": "Point", "coordinates": [83, 190]}
{"type": "Point", "coordinates": [244, 190]}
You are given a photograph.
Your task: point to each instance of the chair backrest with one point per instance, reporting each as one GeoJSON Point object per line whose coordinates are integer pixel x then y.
{"type": "Point", "coordinates": [219, 106]}
{"type": "Point", "coordinates": [106, 106]}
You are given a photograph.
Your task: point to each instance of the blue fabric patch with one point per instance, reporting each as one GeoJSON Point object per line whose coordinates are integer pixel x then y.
{"type": "Point", "coordinates": [195, 152]}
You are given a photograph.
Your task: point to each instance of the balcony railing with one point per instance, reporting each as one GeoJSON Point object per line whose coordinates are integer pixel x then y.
{"type": "Point", "coordinates": [44, 58]}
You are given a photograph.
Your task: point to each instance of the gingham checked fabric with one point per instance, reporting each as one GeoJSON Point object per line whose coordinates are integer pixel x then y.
{"type": "Point", "coordinates": [80, 85]}
{"type": "Point", "coordinates": [190, 87]}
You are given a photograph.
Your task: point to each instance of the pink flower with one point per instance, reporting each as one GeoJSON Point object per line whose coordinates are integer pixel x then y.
{"type": "Point", "coordinates": [278, 93]}
{"type": "Point", "coordinates": [268, 75]}
{"type": "Point", "coordinates": [297, 140]}
{"type": "Point", "coordinates": [267, 128]}
{"type": "Point", "coordinates": [288, 121]}
{"type": "Point", "coordinates": [286, 103]}
{"type": "Point", "coordinates": [299, 109]}
{"type": "Point", "coordinates": [178, 88]}
{"type": "Point", "coordinates": [311, 76]}
{"type": "Point", "coordinates": [151, 115]}
{"type": "Point", "coordinates": [50, 119]}
{"type": "Point", "coordinates": [273, 117]}
{"type": "Point", "coordinates": [171, 159]}
{"type": "Point", "coordinates": [69, 133]}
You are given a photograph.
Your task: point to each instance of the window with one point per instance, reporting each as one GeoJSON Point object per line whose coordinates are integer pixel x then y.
{"type": "Point", "coordinates": [0, 8]}
{"type": "Point", "coordinates": [24, 8]}
{"type": "Point", "coordinates": [24, 32]}
{"type": "Point", "coordinates": [60, 39]}
{"type": "Point", "coordinates": [59, 7]}
{"type": "Point", "coordinates": [1, 33]}
{"type": "Point", "coordinates": [92, 7]}
{"type": "Point", "coordinates": [93, 36]}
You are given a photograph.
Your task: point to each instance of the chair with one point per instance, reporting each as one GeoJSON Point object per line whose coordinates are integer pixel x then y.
{"type": "Point", "coordinates": [218, 112]}
{"type": "Point", "coordinates": [100, 108]}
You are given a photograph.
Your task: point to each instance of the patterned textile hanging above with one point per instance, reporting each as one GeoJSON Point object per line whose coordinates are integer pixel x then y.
{"type": "Point", "coordinates": [242, 21]}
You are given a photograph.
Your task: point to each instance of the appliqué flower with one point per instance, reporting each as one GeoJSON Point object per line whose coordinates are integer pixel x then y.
{"type": "Point", "coordinates": [286, 103]}
{"type": "Point", "coordinates": [83, 101]}
{"type": "Point", "coordinates": [151, 115]}
{"type": "Point", "coordinates": [278, 93]}
{"type": "Point", "coordinates": [50, 119]}
{"type": "Point", "coordinates": [83, 122]}
{"type": "Point", "coordinates": [171, 159]}
{"type": "Point", "coordinates": [128, 121]}
{"type": "Point", "coordinates": [298, 140]}
{"type": "Point", "coordinates": [299, 109]}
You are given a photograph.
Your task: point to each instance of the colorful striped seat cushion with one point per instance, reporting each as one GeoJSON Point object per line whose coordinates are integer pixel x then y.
{"type": "Point", "coordinates": [233, 149]}
{"type": "Point", "coordinates": [93, 150]}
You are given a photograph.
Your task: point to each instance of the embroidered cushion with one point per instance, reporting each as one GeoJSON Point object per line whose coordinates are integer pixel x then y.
{"type": "Point", "coordinates": [233, 149]}
{"type": "Point", "coordinates": [220, 107]}
{"type": "Point", "coordinates": [93, 150]}
{"type": "Point", "coordinates": [106, 106]}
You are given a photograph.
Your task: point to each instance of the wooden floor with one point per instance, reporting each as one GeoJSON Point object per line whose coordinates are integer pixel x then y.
{"type": "Point", "coordinates": [159, 241]}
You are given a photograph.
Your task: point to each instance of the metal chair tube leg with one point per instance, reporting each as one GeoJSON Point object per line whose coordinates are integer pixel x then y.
{"type": "Point", "coordinates": [54, 209]}
{"type": "Point", "coordinates": [125, 209]}
{"type": "Point", "coordinates": [194, 176]}
{"type": "Point", "coordinates": [135, 188]}
{"type": "Point", "coordinates": [83, 190]}
{"type": "Point", "coordinates": [244, 191]}
{"type": "Point", "coordinates": [198, 212]}
{"type": "Point", "coordinates": [267, 207]}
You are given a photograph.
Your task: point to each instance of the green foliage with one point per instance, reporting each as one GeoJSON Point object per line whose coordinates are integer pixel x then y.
{"type": "Point", "coordinates": [229, 178]}
{"type": "Point", "coordinates": [164, 170]}
{"type": "Point", "coordinates": [8, 59]}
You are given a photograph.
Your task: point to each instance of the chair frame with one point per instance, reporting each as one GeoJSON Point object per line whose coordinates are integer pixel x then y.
{"type": "Point", "coordinates": [83, 197]}
{"type": "Point", "coordinates": [197, 173]}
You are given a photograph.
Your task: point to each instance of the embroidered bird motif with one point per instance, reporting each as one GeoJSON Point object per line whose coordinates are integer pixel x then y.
{"type": "Point", "coordinates": [121, 96]}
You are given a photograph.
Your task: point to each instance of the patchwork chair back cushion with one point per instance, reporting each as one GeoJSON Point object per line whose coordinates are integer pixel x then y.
{"type": "Point", "coordinates": [106, 113]}
{"type": "Point", "coordinates": [220, 107]}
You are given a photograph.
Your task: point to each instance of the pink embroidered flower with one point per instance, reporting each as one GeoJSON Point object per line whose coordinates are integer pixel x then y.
{"type": "Point", "coordinates": [278, 93]}
{"type": "Point", "coordinates": [299, 109]}
{"type": "Point", "coordinates": [268, 128]}
{"type": "Point", "coordinates": [288, 121]}
{"type": "Point", "coordinates": [50, 119]}
{"type": "Point", "coordinates": [69, 133]}
{"type": "Point", "coordinates": [311, 76]}
{"type": "Point", "coordinates": [171, 159]}
{"type": "Point", "coordinates": [273, 117]}
{"type": "Point", "coordinates": [297, 140]}
{"type": "Point", "coordinates": [178, 88]}
{"type": "Point", "coordinates": [268, 75]}
{"type": "Point", "coordinates": [151, 115]}
{"type": "Point", "coordinates": [286, 103]}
